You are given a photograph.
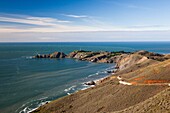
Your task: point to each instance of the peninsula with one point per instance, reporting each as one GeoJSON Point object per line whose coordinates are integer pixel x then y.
{"type": "Point", "coordinates": [139, 85]}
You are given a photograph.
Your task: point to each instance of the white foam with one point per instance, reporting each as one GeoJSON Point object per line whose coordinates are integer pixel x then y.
{"type": "Point", "coordinates": [43, 98]}
{"type": "Point", "coordinates": [68, 93]}
{"type": "Point", "coordinates": [29, 110]}
{"type": "Point", "coordinates": [85, 88]}
{"type": "Point", "coordinates": [70, 88]}
{"type": "Point", "coordinates": [91, 75]}
{"type": "Point", "coordinates": [28, 57]}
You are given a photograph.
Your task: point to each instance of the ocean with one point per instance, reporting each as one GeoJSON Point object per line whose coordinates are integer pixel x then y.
{"type": "Point", "coordinates": [27, 83]}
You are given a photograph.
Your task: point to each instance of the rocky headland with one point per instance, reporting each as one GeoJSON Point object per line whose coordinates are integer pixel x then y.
{"type": "Point", "coordinates": [140, 84]}
{"type": "Point", "coordinates": [51, 55]}
{"type": "Point", "coordinates": [121, 58]}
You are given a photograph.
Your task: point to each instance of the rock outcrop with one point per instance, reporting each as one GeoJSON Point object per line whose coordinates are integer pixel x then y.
{"type": "Point", "coordinates": [101, 57]}
{"type": "Point", "coordinates": [127, 60]}
{"type": "Point", "coordinates": [90, 83]}
{"type": "Point", "coordinates": [121, 58]}
{"type": "Point", "coordinates": [151, 55]}
{"type": "Point", "coordinates": [52, 55]}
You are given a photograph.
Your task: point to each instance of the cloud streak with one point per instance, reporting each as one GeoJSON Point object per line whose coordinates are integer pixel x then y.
{"type": "Point", "coordinates": [39, 24]}
{"type": "Point", "coordinates": [24, 23]}
{"type": "Point", "coordinates": [90, 20]}
{"type": "Point", "coordinates": [75, 16]}
{"type": "Point", "coordinates": [42, 21]}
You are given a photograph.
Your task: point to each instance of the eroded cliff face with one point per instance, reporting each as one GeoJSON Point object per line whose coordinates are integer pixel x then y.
{"type": "Point", "coordinates": [124, 60]}
{"type": "Point", "coordinates": [127, 60]}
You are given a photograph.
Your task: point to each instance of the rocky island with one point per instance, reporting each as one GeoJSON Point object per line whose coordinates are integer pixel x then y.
{"type": "Point", "coordinates": [140, 85]}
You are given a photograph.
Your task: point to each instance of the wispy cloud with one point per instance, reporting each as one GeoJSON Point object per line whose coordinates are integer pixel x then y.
{"type": "Point", "coordinates": [94, 21]}
{"type": "Point", "coordinates": [89, 20]}
{"type": "Point", "coordinates": [39, 24]}
{"type": "Point", "coordinates": [24, 23]}
{"type": "Point", "coordinates": [76, 16]}
{"type": "Point", "coordinates": [42, 21]}
{"type": "Point", "coordinates": [48, 20]}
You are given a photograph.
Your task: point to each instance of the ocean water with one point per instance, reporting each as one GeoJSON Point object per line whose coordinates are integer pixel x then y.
{"type": "Point", "coordinates": [27, 83]}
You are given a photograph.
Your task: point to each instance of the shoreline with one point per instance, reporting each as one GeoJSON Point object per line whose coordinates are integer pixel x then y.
{"type": "Point", "coordinates": [67, 93]}
{"type": "Point", "coordinates": [97, 81]}
{"type": "Point", "coordinates": [121, 64]}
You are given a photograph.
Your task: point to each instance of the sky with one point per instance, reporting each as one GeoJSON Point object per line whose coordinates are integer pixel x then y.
{"type": "Point", "coordinates": [84, 20]}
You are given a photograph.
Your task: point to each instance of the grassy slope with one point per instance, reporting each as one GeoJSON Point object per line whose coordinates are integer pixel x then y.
{"type": "Point", "coordinates": [158, 71]}
{"type": "Point", "coordinates": [160, 103]}
{"type": "Point", "coordinates": [111, 96]}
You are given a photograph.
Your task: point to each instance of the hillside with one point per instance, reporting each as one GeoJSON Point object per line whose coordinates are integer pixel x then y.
{"type": "Point", "coordinates": [111, 96]}
{"type": "Point", "coordinates": [156, 104]}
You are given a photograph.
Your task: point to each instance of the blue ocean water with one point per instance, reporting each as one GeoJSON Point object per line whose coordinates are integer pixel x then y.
{"type": "Point", "coordinates": [27, 83]}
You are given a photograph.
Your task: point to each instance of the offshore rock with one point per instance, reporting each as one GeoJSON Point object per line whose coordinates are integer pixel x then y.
{"type": "Point", "coordinates": [90, 83]}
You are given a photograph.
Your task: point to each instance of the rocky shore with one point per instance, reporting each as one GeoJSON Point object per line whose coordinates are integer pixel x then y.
{"type": "Point", "coordinates": [139, 78]}
{"type": "Point", "coordinates": [121, 58]}
{"type": "Point", "coordinates": [52, 55]}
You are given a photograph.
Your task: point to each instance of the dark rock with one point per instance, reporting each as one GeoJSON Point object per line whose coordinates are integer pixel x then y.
{"type": "Point", "coordinates": [101, 57]}
{"type": "Point", "coordinates": [39, 56]}
{"type": "Point", "coordinates": [53, 55]}
{"type": "Point", "coordinates": [116, 67]}
{"type": "Point", "coordinates": [109, 71]}
{"type": "Point", "coordinates": [94, 60]}
{"type": "Point", "coordinates": [90, 83]}
{"type": "Point", "coordinates": [110, 61]}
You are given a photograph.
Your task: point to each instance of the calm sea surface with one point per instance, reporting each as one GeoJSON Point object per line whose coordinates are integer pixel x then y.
{"type": "Point", "coordinates": [27, 83]}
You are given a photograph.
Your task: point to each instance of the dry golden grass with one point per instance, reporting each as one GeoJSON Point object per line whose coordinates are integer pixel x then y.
{"type": "Point", "coordinates": [160, 103]}
{"type": "Point", "coordinates": [111, 96]}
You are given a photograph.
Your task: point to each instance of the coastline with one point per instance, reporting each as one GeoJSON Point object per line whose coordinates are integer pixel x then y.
{"type": "Point", "coordinates": [25, 109]}
{"type": "Point", "coordinates": [97, 81]}
{"type": "Point", "coordinates": [46, 70]}
{"type": "Point", "coordinates": [122, 66]}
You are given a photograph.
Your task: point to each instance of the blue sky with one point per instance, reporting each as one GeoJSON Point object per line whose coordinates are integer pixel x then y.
{"type": "Point", "coordinates": [84, 20]}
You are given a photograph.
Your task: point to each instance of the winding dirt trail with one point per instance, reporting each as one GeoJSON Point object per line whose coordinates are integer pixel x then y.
{"type": "Point", "coordinates": [122, 81]}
